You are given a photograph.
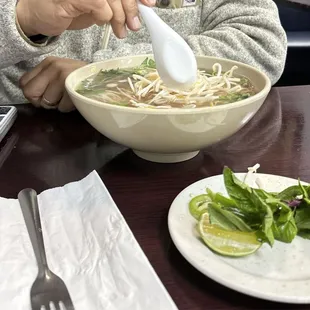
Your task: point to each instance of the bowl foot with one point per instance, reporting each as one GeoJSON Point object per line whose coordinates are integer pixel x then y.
{"type": "Point", "coordinates": [166, 158]}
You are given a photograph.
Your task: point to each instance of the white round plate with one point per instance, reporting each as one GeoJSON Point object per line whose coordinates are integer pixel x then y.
{"type": "Point", "coordinates": [281, 273]}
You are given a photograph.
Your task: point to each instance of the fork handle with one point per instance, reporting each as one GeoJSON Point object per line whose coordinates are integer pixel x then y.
{"type": "Point", "coordinates": [29, 204]}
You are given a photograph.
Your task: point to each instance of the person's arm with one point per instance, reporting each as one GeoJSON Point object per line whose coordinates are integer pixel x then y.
{"type": "Point", "coordinates": [52, 18]}
{"type": "Point", "coordinates": [248, 31]}
{"type": "Point", "coordinates": [15, 45]}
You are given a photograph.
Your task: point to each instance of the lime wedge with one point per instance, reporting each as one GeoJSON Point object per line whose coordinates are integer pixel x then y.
{"type": "Point", "coordinates": [228, 243]}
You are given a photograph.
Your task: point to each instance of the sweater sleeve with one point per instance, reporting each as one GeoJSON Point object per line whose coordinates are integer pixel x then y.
{"type": "Point", "coordinates": [124, 50]}
{"type": "Point", "coordinates": [15, 47]}
{"type": "Point", "coordinates": [248, 31]}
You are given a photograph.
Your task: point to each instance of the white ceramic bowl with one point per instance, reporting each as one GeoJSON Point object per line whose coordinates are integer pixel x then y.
{"type": "Point", "coordinates": [167, 135]}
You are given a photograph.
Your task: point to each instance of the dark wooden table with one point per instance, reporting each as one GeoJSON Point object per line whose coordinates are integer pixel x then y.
{"type": "Point", "coordinates": [47, 149]}
{"type": "Point", "coordinates": [303, 4]}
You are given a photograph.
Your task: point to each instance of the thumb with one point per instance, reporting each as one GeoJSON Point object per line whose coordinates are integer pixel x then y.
{"type": "Point", "coordinates": [81, 22]}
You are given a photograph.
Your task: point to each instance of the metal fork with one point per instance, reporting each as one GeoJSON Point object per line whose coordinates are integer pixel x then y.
{"type": "Point", "coordinates": [48, 288]}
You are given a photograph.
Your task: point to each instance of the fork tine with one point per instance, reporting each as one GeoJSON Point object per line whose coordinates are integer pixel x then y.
{"type": "Point", "coordinates": [68, 305]}
{"type": "Point", "coordinates": [35, 306]}
{"type": "Point", "coordinates": [57, 305]}
{"type": "Point", "coordinates": [62, 305]}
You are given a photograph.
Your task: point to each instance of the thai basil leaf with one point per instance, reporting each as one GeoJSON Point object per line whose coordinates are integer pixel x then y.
{"type": "Point", "coordinates": [285, 231]}
{"type": "Point", "coordinates": [90, 92]}
{"type": "Point", "coordinates": [226, 219]}
{"type": "Point", "coordinates": [278, 205]}
{"type": "Point", "coordinates": [267, 218]}
{"type": "Point", "coordinates": [240, 193]}
{"type": "Point", "coordinates": [210, 193]}
{"type": "Point", "coordinates": [304, 233]}
{"type": "Point", "coordinates": [233, 97]}
{"type": "Point", "coordinates": [263, 194]}
{"type": "Point", "coordinates": [302, 218]}
{"type": "Point", "coordinates": [250, 203]}
{"type": "Point", "coordinates": [303, 190]}
{"type": "Point", "coordinates": [217, 218]}
{"type": "Point", "coordinates": [290, 193]}
{"type": "Point", "coordinates": [224, 201]}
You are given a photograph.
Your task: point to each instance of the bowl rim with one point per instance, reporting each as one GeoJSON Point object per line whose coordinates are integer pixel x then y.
{"type": "Point", "coordinates": [172, 111]}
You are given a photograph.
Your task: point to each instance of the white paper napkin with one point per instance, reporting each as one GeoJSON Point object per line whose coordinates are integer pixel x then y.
{"type": "Point", "coordinates": [88, 244]}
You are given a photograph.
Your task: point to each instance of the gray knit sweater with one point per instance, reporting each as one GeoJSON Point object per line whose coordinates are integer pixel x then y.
{"type": "Point", "coordinates": [245, 30]}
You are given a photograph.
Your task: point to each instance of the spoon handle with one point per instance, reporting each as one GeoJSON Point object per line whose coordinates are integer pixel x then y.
{"type": "Point", "coordinates": [29, 204]}
{"type": "Point", "coordinates": [151, 19]}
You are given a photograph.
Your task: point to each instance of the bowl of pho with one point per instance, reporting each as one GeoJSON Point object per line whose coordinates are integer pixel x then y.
{"type": "Point", "coordinates": [125, 100]}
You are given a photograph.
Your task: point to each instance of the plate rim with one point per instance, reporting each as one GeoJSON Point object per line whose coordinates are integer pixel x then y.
{"type": "Point", "coordinates": [246, 290]}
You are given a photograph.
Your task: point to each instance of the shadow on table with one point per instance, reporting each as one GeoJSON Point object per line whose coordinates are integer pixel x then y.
{"type": "Point", "coordinates": [52, 152]}
{"type": "Point", "coordinates": [130, 161]}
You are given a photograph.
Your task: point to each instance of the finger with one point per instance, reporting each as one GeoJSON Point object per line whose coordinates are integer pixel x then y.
{"type": "Point", "coordinates": [82, 22]}
{"type": "Point", "coordinates": [119, 18]}
{"type": "Point", "coordinates": [26, 78]}
{"type": "Point", "coordinates": [102, 13]}
{"type": "Point", "coordinates": [53, 94]}
{"type": "Point", "coordinates": [36, 87]}
{"type": "Point", "coordinates": [36, 102]}
{"type": "Point", "coordinates": [148, 2]}
{"type": "Point", "coordinates": [65, 104]}
{"type": "Point", "coordinates": [131, 11]}
{"type": "Point", "coordinates": [44, 103]}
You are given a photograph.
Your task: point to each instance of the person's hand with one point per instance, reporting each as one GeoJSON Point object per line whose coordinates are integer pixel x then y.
{"type": "Point", "coordinates": [44, 86]}
{"type": "Point", "coordinates": [52, 17]}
